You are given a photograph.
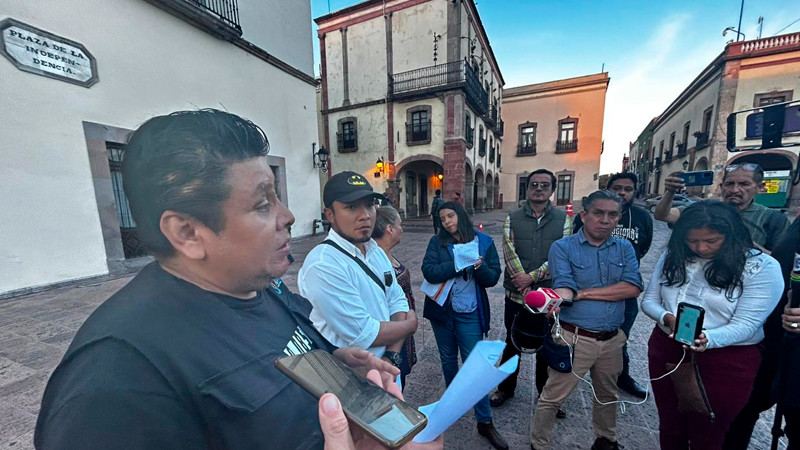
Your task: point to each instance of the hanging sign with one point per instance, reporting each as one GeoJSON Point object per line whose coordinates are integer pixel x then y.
{"type": "Point", "coordinates": [37, 51]}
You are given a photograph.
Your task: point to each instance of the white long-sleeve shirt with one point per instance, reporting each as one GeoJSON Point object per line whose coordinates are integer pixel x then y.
{"type": "Point", "coordinates": [735, 321]}
{"type": "Point", "coordinates": [348, 305]}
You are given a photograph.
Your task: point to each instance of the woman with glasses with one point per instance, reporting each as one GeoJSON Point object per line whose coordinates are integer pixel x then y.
{"type": "Point", "coordinates": [387, 233]}
{"type": "Point", "coordinates": [710, 262]}
{"type": "Point", "coordinates": [463, 319]}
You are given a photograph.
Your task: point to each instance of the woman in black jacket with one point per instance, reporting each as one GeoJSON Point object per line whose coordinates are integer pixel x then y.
{"type": "Point", "coordinates": [463, 319]}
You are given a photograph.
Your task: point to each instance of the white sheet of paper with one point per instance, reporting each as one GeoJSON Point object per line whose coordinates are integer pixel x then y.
{"type": "Point", "coordinates": [466, 254]}
{"type": "Point", "coordinates": [437, 292]}
{"type": "Point", "coordinates": [476, 378]}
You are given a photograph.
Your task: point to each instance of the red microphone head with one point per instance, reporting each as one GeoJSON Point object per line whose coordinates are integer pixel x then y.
{"type": "Point", "coordinates": [535, 299]}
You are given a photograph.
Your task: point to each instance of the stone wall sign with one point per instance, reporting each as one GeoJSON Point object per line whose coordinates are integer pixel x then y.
{"type": "Point", "coordinates": [37, 51]}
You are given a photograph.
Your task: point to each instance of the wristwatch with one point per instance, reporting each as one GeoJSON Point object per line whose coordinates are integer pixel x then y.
{"type": "Point", "coordinates": [393, 358]}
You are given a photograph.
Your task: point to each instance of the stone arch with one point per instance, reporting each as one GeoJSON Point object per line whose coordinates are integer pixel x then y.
{"type": "Point", "coordinates": [479, 191]}
{"type": "Point", "coordinates": [489, 191]}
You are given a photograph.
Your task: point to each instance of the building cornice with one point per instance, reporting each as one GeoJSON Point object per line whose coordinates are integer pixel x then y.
{"type": "Point", "coordinates": [600, 79]}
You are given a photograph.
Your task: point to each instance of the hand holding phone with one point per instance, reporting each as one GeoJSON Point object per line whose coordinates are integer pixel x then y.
{"type": "Point", "coordinates": [699, 178]}
{"type": "Point", "coordinates": [384, 417]}
{"type": "Point", "coordinates": [689, 326]}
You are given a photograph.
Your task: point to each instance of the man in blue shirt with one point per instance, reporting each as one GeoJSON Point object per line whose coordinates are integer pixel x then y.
{"type": "Point", "coordinates": [598, 272]}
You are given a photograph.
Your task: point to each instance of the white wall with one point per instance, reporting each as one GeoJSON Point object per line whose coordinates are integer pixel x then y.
{"type": "Point", "coordinates": [280, 27]}
{"type": "Point", "coordinates": [412, 35]}
{"type": "Point", "coordinates": [149, 63]}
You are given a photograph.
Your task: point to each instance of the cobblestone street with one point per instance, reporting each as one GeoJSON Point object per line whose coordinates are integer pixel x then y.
{"type": "Point", "coordinates": [36, 329]}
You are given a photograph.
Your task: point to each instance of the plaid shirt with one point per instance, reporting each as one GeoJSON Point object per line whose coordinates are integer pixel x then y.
{"type": "Point", "coordinates": [513, 264]}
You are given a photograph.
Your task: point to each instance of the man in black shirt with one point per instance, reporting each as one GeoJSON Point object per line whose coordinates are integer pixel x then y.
{"type": "Point", "coordinates": [183, 356]}
{"type": "Point", "coordinates": [635, 225]}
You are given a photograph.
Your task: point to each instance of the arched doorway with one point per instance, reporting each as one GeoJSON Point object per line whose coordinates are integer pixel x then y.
{"type": "Point", "coordinates": [479, 192]}
{"type": "Point", "coordinates": [489, 192]}
{"type": "Point", "coordinates": [419, 180]}
{"type": "Point", "coordinates": [498, 202]}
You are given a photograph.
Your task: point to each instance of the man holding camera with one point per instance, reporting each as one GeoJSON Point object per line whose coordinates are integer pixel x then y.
{"type": "Point", "coordinates": [740, 184]}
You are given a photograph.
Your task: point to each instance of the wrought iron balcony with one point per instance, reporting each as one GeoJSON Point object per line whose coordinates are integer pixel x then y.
{"type": "Point", "coordinates": [702, 140]}
{"type": "Point", "coordinates": [419, 133]}
{"type": "Point", "coordinates": [668, 156]}
{"type": "Point", "coordinates": [347, 142]}
{"type": "Point", "coordinates": [499, 128]}
{"type": "Point", "coordinates": [220, 17]}
{"type": "Point", "coordinates": [470, 135]}
{"type": "Point", "coordinates": [567, 146]}
{"type": "Point", "coordinates": [681, 150]}
{"type": "Point", "coordinates": [491, 117]}
{"type": "Point", "coordinates": [527, 149]}
{"type": "Point", "coordinates": [429, 80]}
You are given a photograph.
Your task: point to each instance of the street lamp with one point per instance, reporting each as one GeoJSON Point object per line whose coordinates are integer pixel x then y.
{"type": "Point", "coordinates": [319, 158]}
{"type": "Point", "coordinates": [685, 165]}
{"type": "Point", "coordinates": [738, 33]}
{"type": "Point", "coordinates": [379, 164]}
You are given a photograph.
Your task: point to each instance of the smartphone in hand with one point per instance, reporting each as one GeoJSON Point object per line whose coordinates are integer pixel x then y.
{"type": "Point", "coordinates": [700, 178]}
{"type": "Point", "coordinates": [689, 323]}
{"type": "Point", "coordinates": [389, 420]}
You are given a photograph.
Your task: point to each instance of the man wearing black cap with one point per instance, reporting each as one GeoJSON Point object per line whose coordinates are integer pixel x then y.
{"type": "Point", "coordinates": [350, 280]}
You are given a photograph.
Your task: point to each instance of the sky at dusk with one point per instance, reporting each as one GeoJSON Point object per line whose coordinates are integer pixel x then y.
{"type": "Point", "coordinates": [651, 50]}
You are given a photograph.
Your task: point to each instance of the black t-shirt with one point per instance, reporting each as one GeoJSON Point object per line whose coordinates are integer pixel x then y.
{"type": "Point", "coordinates": [165, 364]}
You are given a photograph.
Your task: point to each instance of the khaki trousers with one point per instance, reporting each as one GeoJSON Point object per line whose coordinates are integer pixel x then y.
{"type": "Point", "coordinates": [604, 360]}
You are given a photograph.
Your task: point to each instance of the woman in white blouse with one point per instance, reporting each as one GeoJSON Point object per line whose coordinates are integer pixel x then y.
{"type": "Point", "coordinates": [710, 262]}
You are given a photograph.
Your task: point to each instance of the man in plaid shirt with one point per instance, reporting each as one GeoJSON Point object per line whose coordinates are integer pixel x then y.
{"type": "Point", "coordinates": [528, 233]}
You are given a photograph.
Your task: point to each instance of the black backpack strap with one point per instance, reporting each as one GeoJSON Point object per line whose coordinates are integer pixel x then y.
{"type": "Point", "coordinates": [359, 262]}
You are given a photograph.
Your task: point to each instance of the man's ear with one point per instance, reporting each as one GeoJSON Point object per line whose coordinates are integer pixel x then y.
{"type": "Point", "coordinates": [185, 233]}
{"type": "Point", "coordinates": [328, 214]}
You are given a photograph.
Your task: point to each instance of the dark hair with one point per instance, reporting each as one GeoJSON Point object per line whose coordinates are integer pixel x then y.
{"type": "Point", "coordinates": [725, 270]}
{"type": "Point", "coordinates": [438, 192]}
{"type": "Point", "coordinates": [465, 228]}
{"type": "Point", "coordinates": [600, 195]}
{"type": "Point", "coordinates": [180, 162]}
{"type": "Point", "coordinates": [758, 171]}
{"type": "Point", "coordinates": [623, 176]}
{"type": "Point", "coordinates": [544, 171]}
{"type": "Point", "coordinates": [384, 216]}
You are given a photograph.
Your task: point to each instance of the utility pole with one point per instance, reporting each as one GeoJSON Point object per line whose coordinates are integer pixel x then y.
{"type": "Point", "coordinates": [739, 28]}
{"type": "Point", "coordinates": [760, 25]}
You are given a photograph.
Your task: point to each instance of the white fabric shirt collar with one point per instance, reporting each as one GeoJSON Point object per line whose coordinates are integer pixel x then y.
{"type": "Point", "coordinates": [351, 248]}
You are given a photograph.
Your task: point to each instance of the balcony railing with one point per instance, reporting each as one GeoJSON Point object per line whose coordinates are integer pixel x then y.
{"type": "Point", "coordinates": [681, 150]}
{"type": "Point", "coordinates": [499, 128]}
{"type": "Point", "coordinates": [220, 17]}
{"type": "Point", "coordinates": [668, 156]}
{"type": "Point", "coordinates": [347, 142]}
{"type": "Point", "coordinates": [567, 146]}
{"type": "Point", "coordinates": [702, 140]}
{"type": "Point", "coordinates": [482, 147]}
{"type": "Point", "coordinates": [491, 116]}
{"type": "Point", "coordinates": [528, 149]}
{"type": "Point", "coordinates": [470, 135]}
{"type": "Point", "coordinates": [418, 133]}
{"type": "Point", "coordinates": [442, 77]}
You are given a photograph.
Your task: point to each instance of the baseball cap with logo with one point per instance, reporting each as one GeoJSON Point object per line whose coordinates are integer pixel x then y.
{"type": "Point", "coordinates": [347, 187]}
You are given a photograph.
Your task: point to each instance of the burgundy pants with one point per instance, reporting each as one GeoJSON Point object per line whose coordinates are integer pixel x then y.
{"type": "Point", "coordinates": [727, 374]}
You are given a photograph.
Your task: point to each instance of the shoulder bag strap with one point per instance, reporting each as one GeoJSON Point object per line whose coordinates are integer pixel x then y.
{"type": "Point", "coordinates": [363, 266]}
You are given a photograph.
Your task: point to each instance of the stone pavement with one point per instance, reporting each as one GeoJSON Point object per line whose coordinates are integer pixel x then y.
{"type": "Point", "coordinates": [36, 329]}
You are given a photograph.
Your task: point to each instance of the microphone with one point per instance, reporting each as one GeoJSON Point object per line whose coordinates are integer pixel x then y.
{"type": "Point", "coordinates": [542, 300]}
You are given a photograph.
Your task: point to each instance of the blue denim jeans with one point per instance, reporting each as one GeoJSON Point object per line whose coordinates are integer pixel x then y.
{"type": "Point", "coordinates": [460, 333]}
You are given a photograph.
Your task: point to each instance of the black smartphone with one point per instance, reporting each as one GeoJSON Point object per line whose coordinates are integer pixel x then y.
{"type": "Point", "coordinates": [389, 420]}
{"type": "Point", "coordinates": [700, 178]}
{"type": "Point", "coordinates": [689, 323]}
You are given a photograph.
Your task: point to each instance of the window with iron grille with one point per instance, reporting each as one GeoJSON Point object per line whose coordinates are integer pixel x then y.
{"type": "Point", "coordinates": [469, 130]}
{"type": "Point", "coordinates": [347, 136]}
{"type": "Point", "coordinates": [564, 189]}
{"type": "Point", "coordinates": [418, 125]}
{"type": "Point", "coordinates": [772, 98]}
{"type": "Point", "coordinates": [132, 246]}
{"type": "Point", "coordinates": [567, 135]}
{"type": "Point", "coordinates": [527, 139]}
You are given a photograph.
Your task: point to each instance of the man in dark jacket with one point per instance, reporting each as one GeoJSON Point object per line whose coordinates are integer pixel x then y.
{"type": "Point", "coordinates": [435, 205]}
{"type": "Point", "coordinates": [635, 225]}
{"type": "Point", "coordinates": [528, 233]}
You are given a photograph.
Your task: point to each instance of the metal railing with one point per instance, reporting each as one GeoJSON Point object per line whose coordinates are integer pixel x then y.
{"type": "Point", "coordinates": [681, 150]}
{"type": "Point", "coordinates": [225, 10]}
{"type": "Point", "coordinates": [499, 128]}
{"type": "Point", "coordinates": [702, 140]}
{"type": "Point", "coordinates": [668, 156]}
{"type": "Point", "coordinates": [566, 146]}
{"type": "Point", "coordinates": [529, 149]}
{"type": "Point", "coordinates": [452, 75]}
{"type": "Point", "coordinates": [470, 134]}
{"type": "Point", "coordinates": [491, 116]}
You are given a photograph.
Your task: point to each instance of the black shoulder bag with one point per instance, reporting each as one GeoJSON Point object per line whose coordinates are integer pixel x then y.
{"type": "Point", "coordinates": [360, 264]}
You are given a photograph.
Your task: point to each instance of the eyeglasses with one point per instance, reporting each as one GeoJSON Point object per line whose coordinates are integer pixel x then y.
{"type": "Point", "coordinates": [534, 184]}
{"type": "Point", "coordinates": [745, 166]}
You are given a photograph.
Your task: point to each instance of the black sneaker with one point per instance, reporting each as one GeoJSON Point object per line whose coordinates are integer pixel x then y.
{"type": "Point", "coordinates": [603, 443]}
{"type": "Point", "coordinates": [497, 398]}
{"type": "Point", "coordinates": [488, 431]}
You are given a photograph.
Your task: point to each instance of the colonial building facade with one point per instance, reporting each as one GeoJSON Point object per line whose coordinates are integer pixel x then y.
{"type": "Point", "coordinates": [557, 125]}
{"type": "Point", "coordinates": [410, 97]}
{"type": "Point", "coordinates": [692, 131]}
{"type": "Point", "coordinates": [76, 78]}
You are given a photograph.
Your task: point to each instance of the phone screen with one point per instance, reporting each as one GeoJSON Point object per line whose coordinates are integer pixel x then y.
{"type": "Point", "coordinates": [382, 415]}
{"type": "Point", "coordinates": [687, 323]}
{"type": "Point", "coordinates": [701, 178]}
